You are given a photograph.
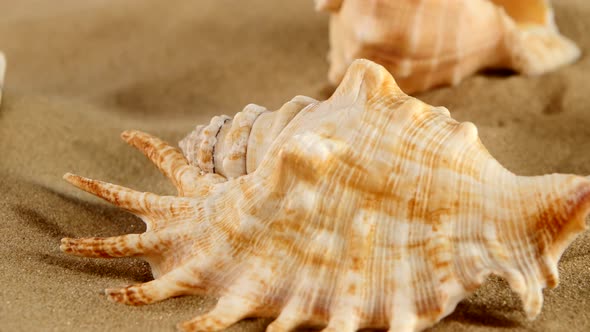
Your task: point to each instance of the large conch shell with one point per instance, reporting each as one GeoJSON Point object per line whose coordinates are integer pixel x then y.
{"type": "Point", "coordinates": [371, 209]}
{"type": "Point", "coordinates": [427, 43]}
{"type": "Point", "coordinates": [2, 73]}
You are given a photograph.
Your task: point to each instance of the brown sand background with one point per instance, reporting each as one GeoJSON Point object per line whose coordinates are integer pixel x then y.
{"type": "Point", "coordinates": [80, 72]}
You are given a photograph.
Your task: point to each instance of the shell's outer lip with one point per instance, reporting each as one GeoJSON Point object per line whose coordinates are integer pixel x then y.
{"type": "Point", "coordinates": [2, 73]}
{"type": "Point", "coordinates": [573, 229]}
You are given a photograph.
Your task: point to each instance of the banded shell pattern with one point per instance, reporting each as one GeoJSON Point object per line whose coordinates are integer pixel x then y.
{"type": "Point", "coordinates": [371, 209]}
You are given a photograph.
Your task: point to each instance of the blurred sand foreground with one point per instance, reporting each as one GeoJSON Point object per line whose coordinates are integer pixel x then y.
{"type": "Point", "coordinates": [80, 72]}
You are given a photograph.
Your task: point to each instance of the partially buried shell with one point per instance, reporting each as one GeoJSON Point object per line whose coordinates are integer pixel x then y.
{"type": "Point", "coordinates": [427, 43]}
{"type": "Point", "coordinates": [371, 209]}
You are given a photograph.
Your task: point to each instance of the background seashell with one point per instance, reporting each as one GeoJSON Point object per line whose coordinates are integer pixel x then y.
{"type": "Point", "coordinates": [371, 209]}
{"type": "Point", "coordinates": [430, 43]}
{"type": "Point", "coordinates": [2, 73]}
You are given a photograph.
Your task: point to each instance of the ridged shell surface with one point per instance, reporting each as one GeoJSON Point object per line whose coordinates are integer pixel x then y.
{"type": "Point", "coordinates": [233, 147]}
{"type": "Point", "coordinates": [428, 43]}
{"type": "Point", "coordinates": [371, 209]}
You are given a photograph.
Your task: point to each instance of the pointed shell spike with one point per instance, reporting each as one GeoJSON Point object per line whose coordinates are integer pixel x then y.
{"type": "Point", "coordinates": [328, 5]}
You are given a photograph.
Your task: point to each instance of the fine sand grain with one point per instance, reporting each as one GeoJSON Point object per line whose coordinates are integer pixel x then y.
{"type": "Point", "coordinates": [80, 72]}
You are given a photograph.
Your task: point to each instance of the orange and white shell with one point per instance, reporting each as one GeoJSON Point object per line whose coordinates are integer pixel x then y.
{"type": "Point", "coordinates": [370, 209]}
{"type": "Point", "coordinates": [428, 43]}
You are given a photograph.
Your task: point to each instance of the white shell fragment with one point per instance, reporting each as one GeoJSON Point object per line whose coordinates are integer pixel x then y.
{"type": "Point", "coordinates": [2, 73]}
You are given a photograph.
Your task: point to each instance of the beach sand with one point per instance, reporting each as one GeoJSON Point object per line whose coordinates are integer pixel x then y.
{"type": "Point", "coordinates": [81, 72]}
